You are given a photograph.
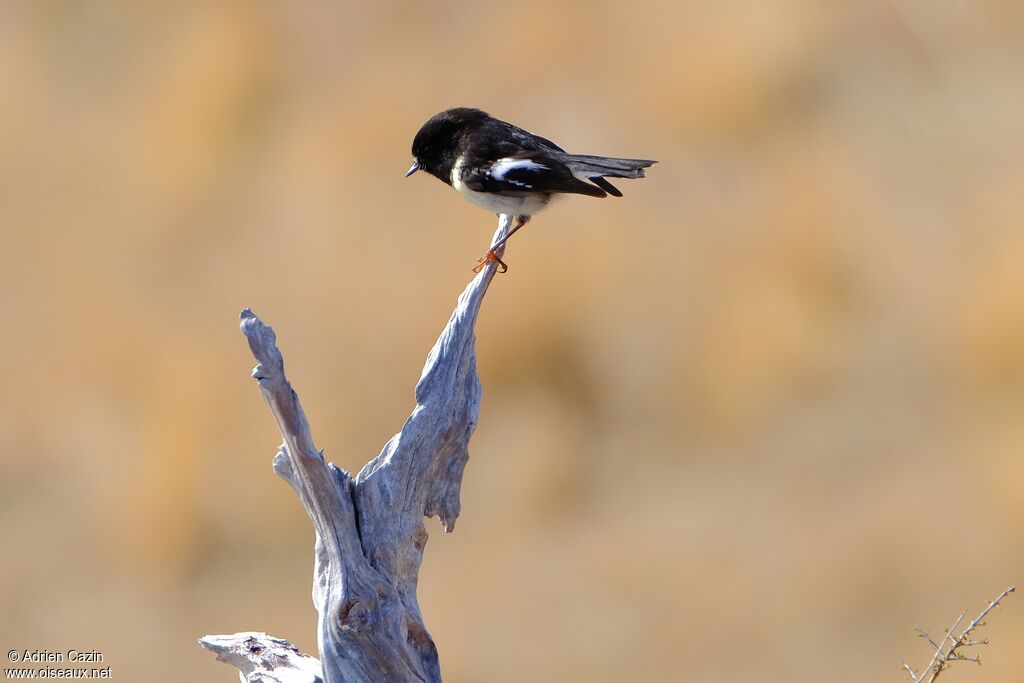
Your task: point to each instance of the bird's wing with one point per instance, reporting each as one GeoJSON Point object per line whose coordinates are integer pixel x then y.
{"type": "Point", "coordinates": [527, 171]}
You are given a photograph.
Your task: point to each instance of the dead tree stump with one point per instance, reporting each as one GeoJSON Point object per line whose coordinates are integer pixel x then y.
{"type": "Point", "coordinates": [369, 528]}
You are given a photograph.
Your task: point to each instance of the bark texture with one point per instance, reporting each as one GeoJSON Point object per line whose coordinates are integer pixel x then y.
{"type": "Point", "coordinates": [370, 531]}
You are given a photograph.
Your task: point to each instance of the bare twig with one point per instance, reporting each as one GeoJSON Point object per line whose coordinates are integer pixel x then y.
{"type": "Point", "coordinates": [948, 650]}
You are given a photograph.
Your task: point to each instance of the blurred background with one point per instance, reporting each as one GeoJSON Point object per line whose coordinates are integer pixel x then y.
{"type": "Point", "coordinates": [757, 419]}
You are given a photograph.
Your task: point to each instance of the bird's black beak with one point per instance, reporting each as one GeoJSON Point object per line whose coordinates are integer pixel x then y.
{"type": "Point", "coordinates": [412, 169]}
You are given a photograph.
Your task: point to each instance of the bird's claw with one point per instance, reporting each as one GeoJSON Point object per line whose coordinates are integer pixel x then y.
{"type": "Point", "coordinates": [487, 258]}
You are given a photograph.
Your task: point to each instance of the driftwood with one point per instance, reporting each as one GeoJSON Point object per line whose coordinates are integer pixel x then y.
{"type": "Point", "coordinates": [370, 532]}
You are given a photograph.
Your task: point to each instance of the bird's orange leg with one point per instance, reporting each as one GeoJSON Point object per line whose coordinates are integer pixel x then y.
{"type": "Point", "coordinates": [487, 258]}
{"type": "Point", "coordinates": [492, 253]}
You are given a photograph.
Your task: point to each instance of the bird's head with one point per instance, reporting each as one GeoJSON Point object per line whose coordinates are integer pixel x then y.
{"type": "Point", "coordinates": [434, 148]}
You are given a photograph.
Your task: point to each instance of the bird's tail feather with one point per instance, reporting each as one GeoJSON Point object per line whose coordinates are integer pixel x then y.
{"type": "Point", "coordinates": [596, 169]}
{"type": "Point", "coordinates": [612, 167]}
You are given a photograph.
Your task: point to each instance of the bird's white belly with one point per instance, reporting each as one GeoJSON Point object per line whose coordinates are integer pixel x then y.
{"type": "Point", "coordinates": [525, 205]}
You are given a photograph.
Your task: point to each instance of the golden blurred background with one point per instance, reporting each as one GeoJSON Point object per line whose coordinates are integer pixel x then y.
{"type": "Point", "coordinates": [755, 420]}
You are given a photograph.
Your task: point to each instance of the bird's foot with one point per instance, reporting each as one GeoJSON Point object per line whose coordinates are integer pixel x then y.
{"type": "Point", "coordinates": [491, 255]}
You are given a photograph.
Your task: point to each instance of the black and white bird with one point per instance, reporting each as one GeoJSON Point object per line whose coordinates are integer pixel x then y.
{"type": "Point", "coordinates": [507, 170]}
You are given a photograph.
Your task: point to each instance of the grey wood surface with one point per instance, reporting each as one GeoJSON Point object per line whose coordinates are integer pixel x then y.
{"type": "Point", "coordinates": [370, 531]}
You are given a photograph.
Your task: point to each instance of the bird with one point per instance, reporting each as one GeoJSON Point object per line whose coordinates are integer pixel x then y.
{"type": "Point", "coordinates": [505, 169]}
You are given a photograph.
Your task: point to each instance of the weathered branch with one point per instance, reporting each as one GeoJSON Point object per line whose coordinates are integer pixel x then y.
{"type": "Point", "coordinates": [949, 649]}
{"type": "Point", "coordinates": [260, 658]}
{"type": "Point", "coordinates": [370, 533]}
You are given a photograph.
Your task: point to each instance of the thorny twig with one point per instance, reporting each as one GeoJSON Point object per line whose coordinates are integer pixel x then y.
{"type": "Point", "coordinates": [947, 650]}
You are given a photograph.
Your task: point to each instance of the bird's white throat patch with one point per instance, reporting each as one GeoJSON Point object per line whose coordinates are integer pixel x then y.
{"type": "Point", "coordinates": [457, 174]}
